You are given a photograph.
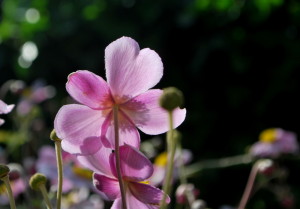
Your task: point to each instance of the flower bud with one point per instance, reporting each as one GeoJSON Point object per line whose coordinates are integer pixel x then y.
{"type": "Point", "coordinates": [37, 180]}
{"type": "Point", "coordinates": [54, 137]}
{"type": "Point", "coordinates": [171, 98]}
{"type": "Point", "coordinates": [4, 171]}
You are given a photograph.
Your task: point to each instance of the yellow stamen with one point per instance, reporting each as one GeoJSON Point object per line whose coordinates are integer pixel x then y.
{"type": "Point", "coordinates": [144, 182]}
{"type": "Point", "coordinates": [161, 159]}
{"type": "Point", "coordinates": [268, 135]}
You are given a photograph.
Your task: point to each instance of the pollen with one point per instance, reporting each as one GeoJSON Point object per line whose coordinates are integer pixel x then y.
{"type": "Point", "coordinates": [268, 135]}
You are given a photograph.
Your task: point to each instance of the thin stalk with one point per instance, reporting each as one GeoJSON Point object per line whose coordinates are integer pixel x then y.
{"type": "Point", "coordinates": [249, 187]}
{"type": "Point", "coordinates": [171, 147]}
{"type": "Point", "coordinates": [45, 195]}
{"type": "Point", "coordinates": [194, 169]}
{"type": "Point", "coordinates": [117, 153]}
{"type": "Point", "coordinates": [9, 192]}
{"type": "Point", "coordinates": [183, 179]}
{"type": "Point", "coordinates": [59, 173]}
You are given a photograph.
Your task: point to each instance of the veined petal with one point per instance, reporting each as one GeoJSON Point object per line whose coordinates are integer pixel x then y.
{"type": "Point", "coordinates": [128, 133]}
{"type": "Point", "coordinates": [129, 70]}
{"type": "Point", "coordinates": [4, 108]}
{"type": "Point", "coordinates": [110, 187]}
{"type": "Point", "coordinates": [132, 203]}
{"type": "Point", "coordinates": [134, 165]}
{"type": "Point", "coordinates": [79, 127]}
{"type": "Point", "coordinates": [98, 162]}
{"type": "Point", "coordinates": [147, 193]}
{"type": "Point", "coordinates": [148, 116]}
{"type": "Point", "coordinates": [89, 89]}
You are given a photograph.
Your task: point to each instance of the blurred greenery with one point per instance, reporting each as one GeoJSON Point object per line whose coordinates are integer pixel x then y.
{"type": "Point", "coordinates": [236, 61]}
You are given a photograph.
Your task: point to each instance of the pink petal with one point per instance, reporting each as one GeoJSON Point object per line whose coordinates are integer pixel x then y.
{"type": "Point", "coordinates": [89, 89]}
{"type": "Point", "coordinates": [110, 187]}
{"type": "Point", "coordinates": [147, 193]}
{"type": "Point", "coordinates": [1, 121]}
{"type": "Point", "coordinates": [128, 133]}
{"type": "Point", "coordinates": [98, 162]}
{"type": "Point", "coordinates": [79, 127]}
{"type": "Point", "coordinates": [158, 176]}
{"type": "Point", "coordinates": [129, 70]}
{"type": "Point", "coordinates": [134, 165]}
{"type": "Point", "coordinates": [117, 204]}
{"type": "Point", "coordinates": [4, 108]}
{"type": "Point", "coordinates": [132, 203]}
{"type": "Point", "coordinates": [148, 116]}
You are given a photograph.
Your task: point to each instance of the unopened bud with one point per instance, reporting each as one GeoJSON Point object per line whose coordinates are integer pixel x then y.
{"type": "Point", "coordinates": [4, 171]}
{"type": "Point", "coordinates": [54, 137]}
{"type": "Point", "coordinates": [37, 180]}
{"type": "Point", "coordinates": [171, 98]}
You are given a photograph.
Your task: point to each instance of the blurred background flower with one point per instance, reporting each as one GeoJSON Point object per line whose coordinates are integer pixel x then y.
{"type": "Point", "coordinates": [236, 61]}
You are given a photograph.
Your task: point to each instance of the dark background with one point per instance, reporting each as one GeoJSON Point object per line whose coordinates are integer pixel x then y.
{"type": "Point", "coordinates": [237, 63]}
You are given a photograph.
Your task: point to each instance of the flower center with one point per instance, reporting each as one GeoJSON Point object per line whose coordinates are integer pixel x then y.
{"type": "Point", "coordinates": [268, 135]}
{"type": "Point", "coordinates": [83, 173]}
{"type": "Point", "coordinates": [161, 159]}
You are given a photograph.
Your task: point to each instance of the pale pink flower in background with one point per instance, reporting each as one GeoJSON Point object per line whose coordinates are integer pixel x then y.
{"type": "Point", "coordinates": [35, 94]}
{"type": "Point", "coordinates": [275, 141]}
{"type": "Point", "coordinates": [4, 109]}
{"type": "Point", "coordinates": [130, 73]}
{"type": "Point", "coordinates": [135, 170]}
{"type": "Point", "coordinates": [75, 175]}
{"type": "Point", "coordinates": [160, 162]}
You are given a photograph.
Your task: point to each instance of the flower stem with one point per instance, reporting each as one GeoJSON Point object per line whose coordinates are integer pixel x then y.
{"type": "Point", "coordinates": [9, 192]}
{"type": "Point", "coordinates": [249, 186]}
{"type": "Point", "coordinates": [117, 153]}
{"type": "Point", "coordinates": [194, 169]}
{"type": "Point", "coordinates": [171, 147]}
{"type": "Point", "coordinates": [45, 195]}
{"type": "Point", "coordinates": [59, 173]}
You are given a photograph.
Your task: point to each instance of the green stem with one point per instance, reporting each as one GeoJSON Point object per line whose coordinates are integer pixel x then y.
{"type": "Point", "coordinates": [171, 148]}
{"type": "Point", "coordinates": [117, 153]}
{"type": "Point", "coordinates": [45, 195]}
{"type": "Point", "coordinates": [183, 178]}
{"type": "Point", "coordinates": [9, 192]}
{"type": "Point", "coordinates": [59, 173]}
{"type": "Point", "coordinates": [194, 169]}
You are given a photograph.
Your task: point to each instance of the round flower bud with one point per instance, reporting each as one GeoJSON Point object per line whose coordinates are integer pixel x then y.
{"type": "Point", "coordinates": [53, 136]}
{"type": "Point", "coordinates": [37, 180]}
{"type": "Point", "coordinates": [4, 170]}
{"type": "Point", "coordinates": [171, 98]}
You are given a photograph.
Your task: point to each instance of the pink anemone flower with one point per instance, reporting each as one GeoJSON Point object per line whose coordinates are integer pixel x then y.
{"type": "Point", "coordinates": [130, 73]}
{"type": "Point", "coordinates": [4, 109]}
{"type": "Point", "coordinates": [135, 170]}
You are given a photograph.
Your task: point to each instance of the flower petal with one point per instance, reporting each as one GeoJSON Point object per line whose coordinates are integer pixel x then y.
{"type": "Point", "coordinates": [4, 108]}
{"type": "Point", "coordinates": [79, 127]}
{"type": "Point", "coordinates": [130, 71]}
{"type": "Point", "coordinates": [110, 187]}
{"type": "Point", "coordinates": [148, 116]}
{"type": "Point", "coordinates": [128, 133]}
{"type": "Point", "coordinates": [132, 203]}
{"type": "Point", "coordinates": [147, 193]}
{"type": "Point", "coordinates": [134, 165]}
{"type": "Point", "coordinates": [98, 162]}
{"type": "Point", "coordinates": [89, 89]}
{"type": "Point", "coordinates": [1, 121]}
